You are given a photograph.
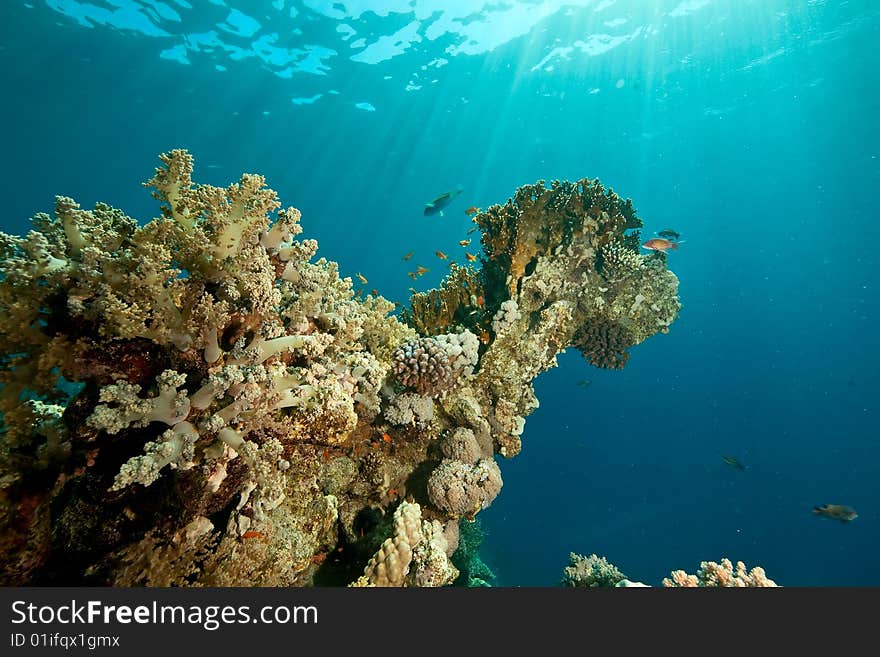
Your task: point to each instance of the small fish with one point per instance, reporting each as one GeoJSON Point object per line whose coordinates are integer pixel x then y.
{"type": "Point", "coordinates": [362, 279]}
{"type": "Point", "coordinates": [471, 211]}
{"type": "Point", "coordinates": [471, 230]}
{"type": "Point", "coordinates": [386, 437]}
{"type": "Point", "coordinates": [840, 512]}
{"type": "Point", "coordinates": [660, 244]}
{"type": "Point", "coordinates": [421, 271]}
{"type": "Point", "coordinates": [464, 242]}
{"type": "Point", "coordinates": [436, 206]}
{"type": "Point", "coordinates": [411, 274]}
{"type": "Point", "coordinates": [669, 234]}
{"type": "Point", "coordinates": [408, 255]}
{"type": "Point", "coordinates": [441, 255]}
{"type": "Point", "coordinates": [470, 257]}
{"type": "Point", "coordinates": [374, 292]}
{"type": "Point", "coordinates": [585, 383]}
{"type": "Point", "coordinates": [253, 534]}
{"type": "Point", "coordinates": [732, 462]}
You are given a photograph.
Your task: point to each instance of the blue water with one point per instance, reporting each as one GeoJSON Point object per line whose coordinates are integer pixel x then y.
{"type": "Point", "coordinates": [748, 126]}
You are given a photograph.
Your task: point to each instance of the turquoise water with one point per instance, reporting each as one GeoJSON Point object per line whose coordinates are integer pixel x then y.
{"type": "Point", "coordinates": [747, 126]}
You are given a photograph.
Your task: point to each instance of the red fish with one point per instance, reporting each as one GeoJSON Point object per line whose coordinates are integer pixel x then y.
{"type": "Point", "coordinates": [660, 244]}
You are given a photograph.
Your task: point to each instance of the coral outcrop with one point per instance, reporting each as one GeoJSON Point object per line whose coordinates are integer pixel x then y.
{"type": "Point", "coordinates": [198, 400]}
{"type": "Point", "coordinates": [595, 571]}
{"type": "Point", "coordinates": [722, 574]}
{"type": "Point", "coordinates": [590, 572]}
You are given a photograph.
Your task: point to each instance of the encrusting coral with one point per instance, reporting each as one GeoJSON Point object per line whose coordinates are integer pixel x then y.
{"type": "Point", "coordinates": [199, 401]}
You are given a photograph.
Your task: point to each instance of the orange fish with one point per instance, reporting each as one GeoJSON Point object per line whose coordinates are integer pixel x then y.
{"type": "Point", "coordinates": [421, 270]}
{"type": "Point", "coordinates": [441, 255]}
{"type": "Point", "coordinates": [386, 437]}
{"type": "Point", "coordinates": [472, 210]}
{"type": "Point", "coordinates": [392, 492]}
{"type": "Point", "coordinates": [660, 244]}
{"type": "Point", "coordinates": [374, 292]}
{"type": "Point", "coordinates": [362, 279]}
{"type": "Point", "coordinates": [253, 534]}
{"type": "Point", "coordinates": [464, 243]}
{"type": "Point", "coordinates": [471, 258]}
{"type": "Point", "coordinates": [411, 274]}
{"type": "Point", "coordinates": [408, 255]}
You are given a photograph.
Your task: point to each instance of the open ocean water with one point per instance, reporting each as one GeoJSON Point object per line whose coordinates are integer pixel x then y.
{"type": "Point", "coordinates": [748, 126]}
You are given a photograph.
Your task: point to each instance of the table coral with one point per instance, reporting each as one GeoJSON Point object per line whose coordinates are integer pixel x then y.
{"type": "Point", "coordinates": [198, 400]}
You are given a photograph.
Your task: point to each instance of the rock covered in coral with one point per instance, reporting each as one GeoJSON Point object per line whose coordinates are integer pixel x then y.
{"type": "Point", "coordinates": [590, 572]}
{"type": "Point", "coordinates": [722, 574]}
{"type": "Point", "coordinates": [464, 489]}
{"type": "Point", "coordinates": [198, 401]}
{"type": "Point", "coordinates": [462, 445]}
{"type": "Point", "coordinates": [417, 554]}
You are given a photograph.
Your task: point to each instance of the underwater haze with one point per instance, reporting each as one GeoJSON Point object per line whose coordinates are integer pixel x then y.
{"type": "Point", "coordinates": [749, 127]}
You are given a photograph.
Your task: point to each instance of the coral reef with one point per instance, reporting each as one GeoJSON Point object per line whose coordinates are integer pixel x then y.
{"type": "Point", "coordinates": [590, 572]}
{"type": "Point", "coordinates": [200, 401]}
{"type": "Point", "coordinates": [720, 574]}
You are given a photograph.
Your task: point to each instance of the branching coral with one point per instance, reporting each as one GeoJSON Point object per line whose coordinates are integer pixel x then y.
{"type": "Point", "coordinates": [198, 401]}
{"type": "Point", "coordinates": [720, 574]}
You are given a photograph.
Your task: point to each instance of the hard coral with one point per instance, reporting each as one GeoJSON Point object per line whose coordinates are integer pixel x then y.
{"type": "Point", "coordinates": [590, 572]}
{"type": "Point", "coordinates": [424, 366]}
{"type": "Point", "coordinates": [604, 343]}
{"type": "Point", "coordinates": [197, 401]}
{"type": "Point", "coordinates": [720, 575]}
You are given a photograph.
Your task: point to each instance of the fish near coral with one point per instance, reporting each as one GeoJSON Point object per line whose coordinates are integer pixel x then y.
{"type": "Point", "coordinates": [471, 211]}
{"type": "Point", "coordinates": [840, 512]}
{"type": "Point", "coordinates": [436, 206]}
{"type": "Point", "coordinates": [441, 255]}
{"type": "Point", "coordinates": [660, 244]}
{"type": "Point", "coordinates": [470, 257]}
{"type": "Point", "coordinates": [669, 234]}
{"type": "Point", "coordinates": [464, 243]}
{"type": "Point", "coordinates": [362, 279]}
{"type": "Point", "coordinates": [421, 271]}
